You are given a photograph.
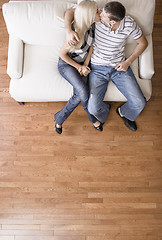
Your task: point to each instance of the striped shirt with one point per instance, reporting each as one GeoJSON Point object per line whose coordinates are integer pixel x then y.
{"type": "Point", "coordinates": [80, 55]}
{"type": "Point", "coordinates": [109, 45]}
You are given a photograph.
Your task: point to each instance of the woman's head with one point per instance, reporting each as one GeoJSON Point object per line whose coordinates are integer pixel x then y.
{"type": "Point", "coordinates": [86, 13]}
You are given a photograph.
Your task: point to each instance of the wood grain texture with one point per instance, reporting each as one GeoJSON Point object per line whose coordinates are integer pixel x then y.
{"type": "Point", "coordinates": [81, 185]}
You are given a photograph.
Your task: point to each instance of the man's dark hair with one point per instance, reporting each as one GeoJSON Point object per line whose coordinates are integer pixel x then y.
{"type": "Point", "coordinates": [116, 11]}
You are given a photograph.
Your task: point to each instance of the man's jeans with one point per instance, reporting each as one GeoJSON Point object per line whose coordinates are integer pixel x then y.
{"type": "Point", "coordinates": [80, 92]}
{"type": "Point", "coordinates": [126, 83]}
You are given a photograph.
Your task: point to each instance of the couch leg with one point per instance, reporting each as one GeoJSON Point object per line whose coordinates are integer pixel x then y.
{"type": "Point", "coordinates": [21, 103]}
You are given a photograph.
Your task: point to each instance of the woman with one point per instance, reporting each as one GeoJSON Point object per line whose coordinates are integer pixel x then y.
{"type": "Point", "coordinates": [74, 60]}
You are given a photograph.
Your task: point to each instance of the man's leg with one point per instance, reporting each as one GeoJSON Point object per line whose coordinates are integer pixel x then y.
{"type": "Point", "coordinates": [128, 86]}
{"type": "Point", "coordinates": [98, 81]}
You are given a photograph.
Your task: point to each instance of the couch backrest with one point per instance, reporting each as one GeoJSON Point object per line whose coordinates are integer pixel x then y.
{"type": "Point", "coordinates": [35, 22]}
{"type": "Point", "coordinates": [38, 22]}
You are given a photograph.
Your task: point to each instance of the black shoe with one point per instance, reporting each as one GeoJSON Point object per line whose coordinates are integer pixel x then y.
{"type": "Point", "coordinates": [129, 124]}
{"type": "Point", "coordinates": [58, 130]}
{"type": "Point", "coordinates": [99, 128]}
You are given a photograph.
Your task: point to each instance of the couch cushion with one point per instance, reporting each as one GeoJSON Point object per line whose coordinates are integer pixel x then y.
{"type": "Point", "coordinates": [41, 81]}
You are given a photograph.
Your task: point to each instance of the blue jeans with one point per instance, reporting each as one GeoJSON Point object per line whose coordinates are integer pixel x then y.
{"type": "Point", "coordinates": [80, 92]}
{"type": "Point", "coordinates": [126, 83]}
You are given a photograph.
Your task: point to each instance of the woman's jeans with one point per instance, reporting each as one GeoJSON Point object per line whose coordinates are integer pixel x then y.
{"type": "Point", "coordinates": [127, 84]}
{"type": "Point", "coordinates": [80, 92]}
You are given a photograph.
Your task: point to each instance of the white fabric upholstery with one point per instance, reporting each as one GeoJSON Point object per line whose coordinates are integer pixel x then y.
{"type": "Point", "coordinates": [34, 22]}
{"type": "Point", "coordinates": [36, 34]}
{"type": "Point", "coordinates": [146, 63]}
{"type": "Point", "coordinates": [15, 57]}
{"type": "Point", "coordinates": [41, 80]}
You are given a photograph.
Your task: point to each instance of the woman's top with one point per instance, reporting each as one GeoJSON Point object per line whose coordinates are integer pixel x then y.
{"type": "Point", "coordinates": [80, 55]}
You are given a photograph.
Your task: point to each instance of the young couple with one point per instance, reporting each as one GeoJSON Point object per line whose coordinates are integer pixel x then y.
{"type": "Point", "coordinates": [107, 31]}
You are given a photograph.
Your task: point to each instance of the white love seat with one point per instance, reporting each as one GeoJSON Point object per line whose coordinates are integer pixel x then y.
{"type": "Point", "coordinates": [36, 33]}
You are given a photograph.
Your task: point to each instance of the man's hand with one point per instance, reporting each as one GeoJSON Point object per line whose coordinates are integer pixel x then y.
{"type": "Point", "coordinates": [141, 46]}
{"type": "Point", "coordinates": [123, 66]}
{"type": "Point", "coordinates": [72, 38]}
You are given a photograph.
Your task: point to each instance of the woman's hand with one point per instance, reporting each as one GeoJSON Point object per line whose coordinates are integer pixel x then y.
{"type": "Point", "coordinates": [84, 70]}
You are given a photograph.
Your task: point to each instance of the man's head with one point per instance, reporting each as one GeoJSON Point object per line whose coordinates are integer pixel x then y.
{"type": "Point", "coordinates": [113, 12]}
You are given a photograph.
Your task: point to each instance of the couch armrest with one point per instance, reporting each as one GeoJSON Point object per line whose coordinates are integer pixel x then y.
{"type": "Point", "coordinates": [15, 57]}
{"type": "Point", "coordinates": [146, 61]}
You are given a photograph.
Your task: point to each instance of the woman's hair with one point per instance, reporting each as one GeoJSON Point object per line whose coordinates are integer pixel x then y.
{"type": "Point", "coordinates": [116, 10]}
{"type": "Point", "coordinates": [84, 17]}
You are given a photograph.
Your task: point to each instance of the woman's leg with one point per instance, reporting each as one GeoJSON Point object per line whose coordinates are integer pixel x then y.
{"type": "Point", "coordinates": [65, 112]}
{"type": "Point", "coordinates": [81, 92]}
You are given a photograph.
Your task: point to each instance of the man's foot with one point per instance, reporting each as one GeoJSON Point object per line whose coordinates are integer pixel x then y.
{"type": "Point", "coordinates": [98, 126]}
{"type": "Point", "coordinates": [58, 128]}
{"type": "Point", "coordinates": [129, 124]}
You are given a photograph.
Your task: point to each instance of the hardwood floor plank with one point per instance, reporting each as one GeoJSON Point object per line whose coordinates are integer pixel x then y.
{"type": "Point", "coordinates": [50, 238]}
{"type": "Point", "coordinates": [25, 233]}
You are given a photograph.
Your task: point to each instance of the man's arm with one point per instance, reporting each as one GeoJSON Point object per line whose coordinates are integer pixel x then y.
{"type": "Point", "coordinates": [71, 36]}
{"type": "Point", "coordinates": [141, 46]}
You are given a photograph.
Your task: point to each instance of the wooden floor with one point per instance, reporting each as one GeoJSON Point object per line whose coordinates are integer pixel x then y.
{"type": "Point", "coordinates": [82, 185]}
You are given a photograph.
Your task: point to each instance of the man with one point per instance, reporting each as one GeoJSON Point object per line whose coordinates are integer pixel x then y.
{"type": "Point", "coordinates": [108, 62]}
